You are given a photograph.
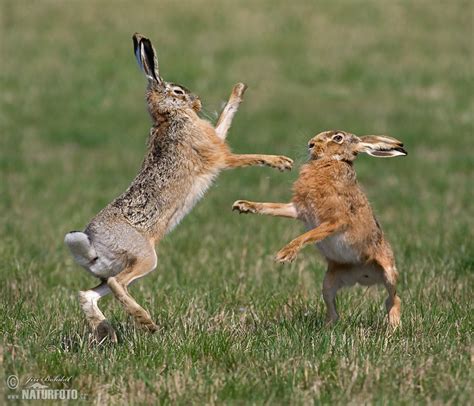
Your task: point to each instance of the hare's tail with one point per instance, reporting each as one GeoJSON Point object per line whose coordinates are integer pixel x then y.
{"type": "Point", "coordinates": [81, 248]}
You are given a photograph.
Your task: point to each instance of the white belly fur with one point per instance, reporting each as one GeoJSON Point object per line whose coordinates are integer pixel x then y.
{"type": "Point", "coordinates": [335, 247]}
{"type": "Point", "coordinates": [196, 192]}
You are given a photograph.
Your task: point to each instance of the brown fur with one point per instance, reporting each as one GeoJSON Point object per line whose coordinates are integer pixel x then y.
{"type": "Point", "coordinates": [184, 155]}
{"type": "Point", "coordinates": [328, 199]}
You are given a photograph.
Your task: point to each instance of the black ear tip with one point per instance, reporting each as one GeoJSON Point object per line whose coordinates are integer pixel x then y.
{"type": "Point", "coordinates": [402, 150]}
{"type": "Point", "coordinates": [137, 38]}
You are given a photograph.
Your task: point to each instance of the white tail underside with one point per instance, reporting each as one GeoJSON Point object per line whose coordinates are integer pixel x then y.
{"type": "Point", "coordinates": [80, 247]}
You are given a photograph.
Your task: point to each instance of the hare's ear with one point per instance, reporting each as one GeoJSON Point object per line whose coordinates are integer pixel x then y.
{"type": "Point", "coordinates": [381, 146]}
{"type": "Point", "coordinates": [146, 57]}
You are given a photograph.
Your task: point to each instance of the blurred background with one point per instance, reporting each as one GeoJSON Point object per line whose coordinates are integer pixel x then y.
{"type": "Point", "coordinates": [73, 127]}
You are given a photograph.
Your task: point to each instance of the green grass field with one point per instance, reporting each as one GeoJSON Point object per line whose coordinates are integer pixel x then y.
{"type": "Point", "coordinates": [236, 327]}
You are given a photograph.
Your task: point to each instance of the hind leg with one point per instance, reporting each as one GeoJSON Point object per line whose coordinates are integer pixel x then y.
{"type": "Point", "coordinates": [100, 326]}
{"type": "Point", "coordinates": [118, 285]}
{"type": "Point", "coordinates": [393, 302]}
{"type": "Point", "coordinates": [331, 284]}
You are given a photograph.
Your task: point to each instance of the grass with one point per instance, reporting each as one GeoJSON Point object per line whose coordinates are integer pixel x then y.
{"type": "Point", "coordinates": [236, 327]}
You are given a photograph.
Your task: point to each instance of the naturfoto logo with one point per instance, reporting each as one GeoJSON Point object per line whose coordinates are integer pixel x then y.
{"type": "Point", "coordinates": [35, 388]}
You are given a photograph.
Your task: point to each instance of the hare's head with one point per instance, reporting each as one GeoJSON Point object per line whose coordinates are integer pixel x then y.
{"type": "Point", "coordinates": [162, 97]}
{"type": "Point", "coordinates": [344, 146]}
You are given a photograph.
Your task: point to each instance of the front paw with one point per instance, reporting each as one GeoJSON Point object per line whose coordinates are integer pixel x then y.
{"type": "Point", "coordinates": [239, 90]}
{"type": "Point", "coordinates": [151, 327]}
{"type": "Point", "coordinates": [282, 163]}
{"type": "Point", "coordinates": [243, 206]}
{"type": "Point", "coordinates": [286, 254]}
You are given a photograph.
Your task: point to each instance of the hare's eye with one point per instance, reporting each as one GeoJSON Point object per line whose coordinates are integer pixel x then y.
{"type": "Point", "coordinates": [311, 145]}
{"type": "Point", "coordinates": [178, 91]}
{"type": "Point", "coordinates": [337, 138]}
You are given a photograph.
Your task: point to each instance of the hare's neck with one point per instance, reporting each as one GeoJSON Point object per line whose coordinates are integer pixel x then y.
{"type": "Point", "coordinates": [161, 116]}
{"type": "Point", "coordinates": [160, 120]}
{"type": "Point", "coordinates": [167, 128]}
{"type": "Point", "coordinates": [330, 170]}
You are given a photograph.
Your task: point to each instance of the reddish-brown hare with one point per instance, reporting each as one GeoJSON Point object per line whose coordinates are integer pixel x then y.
{"type": "Point", "coordinates": [184, 155]}
{"type": "Point", "coordinates": [328, 199]}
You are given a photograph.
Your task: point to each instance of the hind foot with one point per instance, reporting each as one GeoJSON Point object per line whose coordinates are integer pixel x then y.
{"type": "Point", "coordinates": [104, 331]}
{"type": "Point", "coordinates": [393, 311]}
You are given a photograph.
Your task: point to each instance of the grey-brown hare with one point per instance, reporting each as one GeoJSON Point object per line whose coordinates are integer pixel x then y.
{"type": "Point", "coordinates": [328, 199]}
{"type": "Point", "coordinates": [184, 155]}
